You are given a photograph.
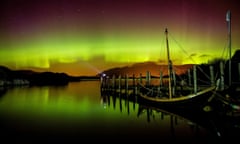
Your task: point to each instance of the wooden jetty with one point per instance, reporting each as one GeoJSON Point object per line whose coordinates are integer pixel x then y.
{"type": "Point", "coordinates": [167, 90]}
{"type": "Point", "coordinates": [154, 86]}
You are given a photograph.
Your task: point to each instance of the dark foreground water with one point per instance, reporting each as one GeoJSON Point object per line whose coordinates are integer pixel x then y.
{"type": "Point", "coordinates": [77, 113]}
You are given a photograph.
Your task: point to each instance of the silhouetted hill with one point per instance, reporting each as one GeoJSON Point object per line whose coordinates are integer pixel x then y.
{"type": "Point", "coordinates": [29, 77]}
{"type": "Point", "coordinates": [142, 68]}
{"type": "Point", "coordinates": [203, 70]}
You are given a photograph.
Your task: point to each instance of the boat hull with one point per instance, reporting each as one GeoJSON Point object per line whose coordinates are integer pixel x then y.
{"type": "Point", "coordinates": [194, 100]}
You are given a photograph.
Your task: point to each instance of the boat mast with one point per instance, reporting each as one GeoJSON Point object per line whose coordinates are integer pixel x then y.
{"type": "Point", "coordinates": [228, 19]}
{"type": "Point", "coordinates": [169, 66]}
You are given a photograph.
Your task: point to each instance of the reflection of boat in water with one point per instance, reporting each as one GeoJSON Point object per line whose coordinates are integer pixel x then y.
{"type": "Point", "coordinates": [177, 119]}
{"type": "Point", "coordinates": [172, 95]}
{"type": "Point", "coordinates": [223, 129]}
{"type": "Point", "coordinates": [188, 128]}
{"type": "Point", "coordinates": [219, 128]}
{"type": "Point", "coordinates": [156, 124]}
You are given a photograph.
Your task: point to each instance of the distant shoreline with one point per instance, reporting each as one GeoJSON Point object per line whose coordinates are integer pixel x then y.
{"type": "Point", "coordinates": [10, 77]}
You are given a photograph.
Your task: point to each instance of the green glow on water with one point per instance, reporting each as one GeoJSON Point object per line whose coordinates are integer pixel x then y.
{"type": "Point", "coordinates": [61, 102]}
{"type": "Point", "coordinates": [78, 109]}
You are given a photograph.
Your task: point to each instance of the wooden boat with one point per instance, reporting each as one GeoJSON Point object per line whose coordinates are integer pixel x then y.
{"type": "Point", "coordinates": [174, 95]}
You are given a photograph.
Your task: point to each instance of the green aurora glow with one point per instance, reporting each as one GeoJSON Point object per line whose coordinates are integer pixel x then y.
{"type": "Point", "coordinates": [84, 45]}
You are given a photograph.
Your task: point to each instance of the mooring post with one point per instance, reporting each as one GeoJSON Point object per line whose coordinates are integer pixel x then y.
{"type": "Point", "coordinates": [108, 83]}
{"type": "Point", "coordinates": [133, 83]}
{"type": "Point", "coordinates": [195, 79]}
{"type": "Point", "coordinates": [101, 82]}
{"type": "Point", "coordinates": [136, 90]}
{"type": "Point", "coordinates": [113, 82]}
{"type": "Point", "coordinates": [189, 77]}
{"type": "Point", "coordinates": [160, 83]}
{"type": "Point", "coordinates": [174, 83]}
{"type": "Point", "coordinates": [140, 78]}
{"type": "Point", "coordinates": [148, 78]}
{"type": "Point", "coordinates": [211, 75]}
{"type": "Point", "coordinates": [119, 83]}
{"type": "Point", "coordinates": [161, 79]}
{"type": "Point", "coordinates": [221, 75]}
{"type": "Point", "coordinates": [126, 83]}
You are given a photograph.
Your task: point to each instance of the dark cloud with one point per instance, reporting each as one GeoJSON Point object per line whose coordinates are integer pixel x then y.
{"type": "Point", "coordinates": [193, 55]}
{"type": "Point", "coordinates": [204, 55]}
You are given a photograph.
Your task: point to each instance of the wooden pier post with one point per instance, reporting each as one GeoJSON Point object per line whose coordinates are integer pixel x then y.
{"type": "Point", "coordinates": [108, 82]}
{"type": "Point", "coordinates": [119, 83]}
{"type": "Point", "coordinates": [148, 78]}
{"type": "Point", "coordinates": [161, 79]}
{"type": "Point", "coordinates": [174, 83]}
{"type": "Point", "coordinates": [211, 75]}
{"type": "Point", "coordinates": [133, 80]}
{"type": "Point", "coordinates": [140, 78]}
{"type": "Point", "coordinates": [195, 79]}
{"type": "Point", "coordinates": [160, 83]}
{"type": "Point", "coordinates": [101, 82]}
{"type": "Point", "coordinates": [136, 90]}
{"type": "Point", "coordinates": [126, 84]}
{"type": "Point", "coordinates": [113, 82]}
{"type": "Point", "coordinates": [189, 78]}
{"type": "Point", "coordinates": [133, 84]}
{"type": "Point", "coordinates": [221, 75]}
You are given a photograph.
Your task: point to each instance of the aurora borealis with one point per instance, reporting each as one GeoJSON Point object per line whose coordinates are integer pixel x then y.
{"type": "Point", "coordinates": [84, 37]}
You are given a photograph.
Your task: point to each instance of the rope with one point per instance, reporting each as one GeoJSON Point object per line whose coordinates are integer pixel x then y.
{"type": "Point", "coordinates": [150, 90]}
{"type": "Point", "coordinates": [186, 53]}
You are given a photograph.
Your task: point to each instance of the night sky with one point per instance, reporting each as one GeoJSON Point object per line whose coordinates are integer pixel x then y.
{"type": "Point", "coordinates": [84, 37]}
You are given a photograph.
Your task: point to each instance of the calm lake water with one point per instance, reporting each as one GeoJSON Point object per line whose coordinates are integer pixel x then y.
{"type": "Point", "coordinates": [78, 111]}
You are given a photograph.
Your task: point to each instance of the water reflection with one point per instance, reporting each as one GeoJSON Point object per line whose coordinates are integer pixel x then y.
{"type": "Point", "coordinates": [80, 111]}
{"type": "Point", "coordinates": [161, 124]}
{"type": "Point", "coordinates": [187, 126]}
